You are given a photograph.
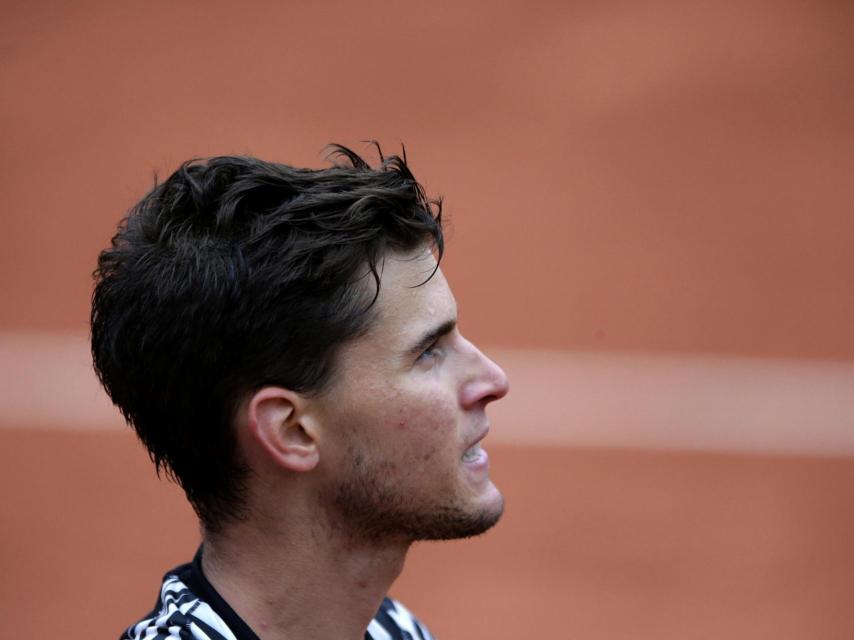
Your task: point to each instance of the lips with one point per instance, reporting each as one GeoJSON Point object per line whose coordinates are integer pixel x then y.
{"type": "Point", "coordinates": [474, 450]}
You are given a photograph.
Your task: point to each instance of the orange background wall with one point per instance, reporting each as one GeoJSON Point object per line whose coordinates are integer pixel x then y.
{"type": "Point", "coordinates": [669, 181]}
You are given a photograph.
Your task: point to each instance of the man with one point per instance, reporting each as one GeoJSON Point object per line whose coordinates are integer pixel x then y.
{"type": "Point", "coordinates": [285, 345]}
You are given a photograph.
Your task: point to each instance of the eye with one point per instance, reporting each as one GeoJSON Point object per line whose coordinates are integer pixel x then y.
{"type": "Point", "coordinates": [430, 353]}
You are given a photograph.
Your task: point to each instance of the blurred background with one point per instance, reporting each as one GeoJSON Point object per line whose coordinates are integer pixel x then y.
{"type": "Point", "coordinates": [651, 229]}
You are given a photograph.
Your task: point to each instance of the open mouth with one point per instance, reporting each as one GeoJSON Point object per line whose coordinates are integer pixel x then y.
{"type": "Point", "coordinates": [473, 453]}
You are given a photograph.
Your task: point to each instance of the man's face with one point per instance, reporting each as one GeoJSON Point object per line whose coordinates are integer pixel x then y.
{"type": "Point", "coordinates": [407, 413]}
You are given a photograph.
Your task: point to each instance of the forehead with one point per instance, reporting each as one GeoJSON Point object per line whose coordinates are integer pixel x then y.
{"type": "Point", "coordinates": [412, 290]}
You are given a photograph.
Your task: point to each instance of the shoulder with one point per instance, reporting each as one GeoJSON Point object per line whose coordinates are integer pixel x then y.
{"type": "Point", "coordinates": [179, 615]}
{"type": "Point", "coordinates": [395, 622]}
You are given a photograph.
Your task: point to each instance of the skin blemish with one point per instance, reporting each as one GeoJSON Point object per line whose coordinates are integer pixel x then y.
{"type": "Point", "coordinates": [428, 454]}
{"type": "Point", "coordinates": [402, 418]}
{"type": "Point", "coordinates": [388, 466]}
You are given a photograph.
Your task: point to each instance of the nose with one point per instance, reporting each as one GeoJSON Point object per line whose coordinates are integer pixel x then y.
{"type": "Point", "coordinates": [486, 381]}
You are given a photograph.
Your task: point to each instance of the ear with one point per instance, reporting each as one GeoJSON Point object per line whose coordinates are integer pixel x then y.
{"type": "Point", "coordinates": [277, 422]}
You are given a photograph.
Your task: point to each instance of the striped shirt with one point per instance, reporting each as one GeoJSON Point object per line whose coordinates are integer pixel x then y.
{"type": "Point", "coordinates": [189, 608]}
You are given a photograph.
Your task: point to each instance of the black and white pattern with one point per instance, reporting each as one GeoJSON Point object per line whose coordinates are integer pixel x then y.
{"type": "Point", "coordinates": [190, 609]}
{"type": "Point", "coordinates": [181, 615]}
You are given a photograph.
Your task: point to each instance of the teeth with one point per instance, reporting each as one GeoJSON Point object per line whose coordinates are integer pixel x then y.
{"type": "Point", "coordinates": [471, 453]}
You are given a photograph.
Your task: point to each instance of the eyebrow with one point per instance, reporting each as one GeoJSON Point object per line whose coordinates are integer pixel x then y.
{"type": "Point", "coordinates": [432, 335]}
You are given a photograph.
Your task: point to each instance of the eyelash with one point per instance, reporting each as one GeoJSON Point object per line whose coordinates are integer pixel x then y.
{"type": "Point", "coordinates": [429, 352]}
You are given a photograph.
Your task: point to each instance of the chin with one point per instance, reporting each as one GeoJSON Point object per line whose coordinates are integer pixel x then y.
{"type": "Point", "coordinates": [453, 523]}
{"type": "Point", "coordinates": [398, 518]}
{"type": "Point", "coordinates": [373, 507]}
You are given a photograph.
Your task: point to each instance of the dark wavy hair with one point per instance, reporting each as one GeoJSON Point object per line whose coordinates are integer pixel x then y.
{"type": "Point", "coordinates": [235, 274]}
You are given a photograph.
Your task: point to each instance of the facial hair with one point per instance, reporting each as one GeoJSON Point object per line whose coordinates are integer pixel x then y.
{"type": "Point", "coordinates": [371, 505]}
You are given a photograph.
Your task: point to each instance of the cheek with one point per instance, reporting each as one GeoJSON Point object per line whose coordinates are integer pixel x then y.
{"type": "Point", "coordinates": [415, 429]}
{"type": "Point", "coordinates": [426, 429]}
{"type": "Point", "coordinates": [429, 417]}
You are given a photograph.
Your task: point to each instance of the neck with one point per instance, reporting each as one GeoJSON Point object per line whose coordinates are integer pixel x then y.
{"type": "Point", "coordinates": [303, 581]}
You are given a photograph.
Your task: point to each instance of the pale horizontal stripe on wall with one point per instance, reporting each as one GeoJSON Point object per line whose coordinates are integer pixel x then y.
{"type": "Point", "coordinates": [703, 402]}
{"type": "Point", "coordinates": [47, 380]}
{"type": "Point", "coordinates": [683, 402]}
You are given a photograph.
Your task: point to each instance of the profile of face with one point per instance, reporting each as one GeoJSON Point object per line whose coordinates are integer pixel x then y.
{"type": "Point", "coordinates": [408, 402]}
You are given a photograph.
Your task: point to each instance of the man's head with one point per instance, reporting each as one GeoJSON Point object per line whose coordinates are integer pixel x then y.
{"type": "Point", "coordinates": [237, 279]}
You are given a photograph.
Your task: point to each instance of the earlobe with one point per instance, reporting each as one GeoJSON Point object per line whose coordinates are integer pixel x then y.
{"type": "Point", "coordinates": [275, 417]}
